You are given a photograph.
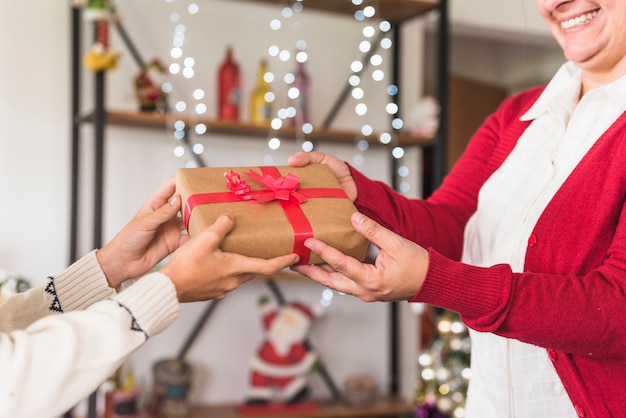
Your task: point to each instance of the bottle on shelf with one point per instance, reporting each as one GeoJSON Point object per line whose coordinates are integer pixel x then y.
{"type": "Point", "coordinates": [301, 101]}
{"type": "Point", "coordinates": [229, 88]}
{"type": "Point", "coordinates": [260, 101]}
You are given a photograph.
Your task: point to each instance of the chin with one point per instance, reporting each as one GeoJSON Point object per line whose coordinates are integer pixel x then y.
{"type": "Point", "coordinates": [580, 58]}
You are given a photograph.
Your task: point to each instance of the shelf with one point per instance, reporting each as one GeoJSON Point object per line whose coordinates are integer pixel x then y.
{"type": "Point", "coordinates": [381, 408]}
{"type": "Point", "coordinates": [165, 121]}
{"type": "Point", "coordinates": [392, 10]}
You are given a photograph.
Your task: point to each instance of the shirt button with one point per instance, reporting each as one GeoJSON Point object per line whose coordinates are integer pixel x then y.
{"type": "Point", "coordinates": [579, 411]}
{"type": "Point", "coordinates": [532, 240]}
{"type": "Point", "coordinates": [552, 354]}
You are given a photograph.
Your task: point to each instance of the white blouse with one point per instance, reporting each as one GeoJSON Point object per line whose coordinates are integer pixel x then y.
{"type": "Point", "coordinates": [511, 378]}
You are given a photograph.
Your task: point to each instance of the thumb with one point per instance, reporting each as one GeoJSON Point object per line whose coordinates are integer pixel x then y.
{"type": "Point", "coordinates": [303, 158]}
{"type": "Point", "coordinates": [371, 230]}
{"type": "Point", "coordinates": [164, 213]}
{"type": "Point", "coordinates": [220, 228]}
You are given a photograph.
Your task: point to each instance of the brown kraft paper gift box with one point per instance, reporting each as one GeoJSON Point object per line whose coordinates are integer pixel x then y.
{"type": "Point", "coordinates": [271, 217]}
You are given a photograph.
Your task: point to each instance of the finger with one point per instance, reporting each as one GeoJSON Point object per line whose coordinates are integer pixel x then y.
{"type": "Point", "coordinates": [342, 270]}
{"type": "Point", "coordinates": [267, 267]}
{"type": "Point", "coordinates": [299, 159]}
{"type": "Point", "coordinates": [221, 227]}
{"type": "Point", "coordinates": [333, 257]}
{"type": "Point", "coordinates": [303, 158]}
{"type": "Point", "coordinates": [282, 262]}
{"type": "Point", "coordinates": [330, 279]}
{"type": "Point", "coordinates": [166, 212]}
{"type": "Point", "coordinates": [183, 239]}
{"type": "Point", "coordinates": [326, 267]}
{"type": "Point", "coordinates": [373, 231]}
{"type": "Point", "coordinates": [161, 195]}
{"type": "Point", "coordinates": [310, 270]}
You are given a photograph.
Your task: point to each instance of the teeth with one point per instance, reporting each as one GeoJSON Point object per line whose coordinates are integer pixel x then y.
{"type": "Point", "coordinates": [579, 20]}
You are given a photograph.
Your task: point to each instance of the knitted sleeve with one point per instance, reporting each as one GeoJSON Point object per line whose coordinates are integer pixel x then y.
{"type": "Point", "coordinates": [82, 284]}
{"type": "Point", "coordinates": [60, 359]}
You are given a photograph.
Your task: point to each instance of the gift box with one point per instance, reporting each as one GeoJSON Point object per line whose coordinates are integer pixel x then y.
{"type": "Point", "coordinates": [275, 208]}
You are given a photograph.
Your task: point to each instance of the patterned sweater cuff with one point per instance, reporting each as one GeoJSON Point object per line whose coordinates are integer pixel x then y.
{"type": "Point", "coordinates": [152, 301]}
{"type": "Point", "coordinates": [82, 284]}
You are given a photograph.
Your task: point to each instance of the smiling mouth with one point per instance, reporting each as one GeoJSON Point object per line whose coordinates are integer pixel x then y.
{"type": "Point", "coordinates": [579, 20]}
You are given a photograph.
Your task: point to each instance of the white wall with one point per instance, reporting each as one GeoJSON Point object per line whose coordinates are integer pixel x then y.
{"type": "Point", "coordinates": [34, 153]}
{"type": "Point", "coordinates": [515, 18]}
{"type": "Point", "coordinates": [510, 36]}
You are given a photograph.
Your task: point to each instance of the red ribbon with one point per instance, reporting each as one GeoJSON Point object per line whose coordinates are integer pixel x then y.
{"type": "Point", "coordinates": [285, 190]}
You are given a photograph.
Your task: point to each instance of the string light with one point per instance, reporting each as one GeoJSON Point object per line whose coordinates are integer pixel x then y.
{"type": "Point", "coordinates": [289, 113]}
{"type": "Point", "coordinates": [375, 36]}
{"type": "Point", "coordinates": [369, 46]}
{"type": "Point", "coordinates": [184, 65]}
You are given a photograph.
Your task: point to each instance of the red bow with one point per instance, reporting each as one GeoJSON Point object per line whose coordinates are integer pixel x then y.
{"type": "Point", "coordinates": [281, 188]}
{"type": "Point", "coordinates": [236, 184]}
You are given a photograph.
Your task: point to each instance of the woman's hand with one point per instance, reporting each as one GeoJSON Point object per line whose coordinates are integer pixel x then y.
{"type": "Point", "coordinates": [152, 234]}
{"type": "Point", "coordinates": [397, 275]}
{"type": "Point", "coordinates": [338, 167]}
{"type": "Point", "coordinates": [201, 271]}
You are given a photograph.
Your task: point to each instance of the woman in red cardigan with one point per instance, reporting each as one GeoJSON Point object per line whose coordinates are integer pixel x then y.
{"type": "Point", "coordinates": [525, 238]}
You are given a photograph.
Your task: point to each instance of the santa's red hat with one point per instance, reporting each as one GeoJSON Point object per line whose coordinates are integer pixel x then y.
{"type": "Point", "coordinates": [302, 308]}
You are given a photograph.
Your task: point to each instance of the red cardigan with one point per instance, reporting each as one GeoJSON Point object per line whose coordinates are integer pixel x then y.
{"type": "Point", "coordinates": [571, 298]}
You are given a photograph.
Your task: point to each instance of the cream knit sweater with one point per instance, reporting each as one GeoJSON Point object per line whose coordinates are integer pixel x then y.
{"type": "Point", "coordinates": [59, 342]}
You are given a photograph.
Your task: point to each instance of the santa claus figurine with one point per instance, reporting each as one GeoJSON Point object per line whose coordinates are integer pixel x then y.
{"type": "Point", "coordinates": [280, 366]}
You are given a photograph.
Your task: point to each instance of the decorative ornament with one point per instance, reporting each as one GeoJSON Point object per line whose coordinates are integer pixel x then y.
{"type": "Point", "coordinates": [282, 362]}
{"type": "Point", "coordinates": [424, 117]}
{"type": "Point", "coordinates": [172, 379]}
{"type": "Point", "coordinates": [99, 57]}
{"type": "Point", "coordinates": [360, 390]}
{"type": "Point", "coordinates": [11, 285]}
{"type": "Point", "coordinates": [148, 87]}
{"type": "Point", "coordinates": [428, 410]}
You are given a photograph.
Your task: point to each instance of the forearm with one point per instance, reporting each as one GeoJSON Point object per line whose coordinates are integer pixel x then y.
{"type": "Point", "coordinates": [418, 220]}
{"type": "Point", "coordinates": [559, 312]}
{"type": "Point", "coordinates": [61, 359]}
{"type": "Point", "coordinates": [82, 284]}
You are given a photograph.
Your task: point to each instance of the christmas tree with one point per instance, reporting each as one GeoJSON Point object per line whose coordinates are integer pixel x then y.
{"type": "Point", "coordinates": [444, 368]}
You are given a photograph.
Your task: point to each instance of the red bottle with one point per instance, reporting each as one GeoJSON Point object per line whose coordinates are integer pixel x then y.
{"type": "Point", "coordinates": [229, 90]}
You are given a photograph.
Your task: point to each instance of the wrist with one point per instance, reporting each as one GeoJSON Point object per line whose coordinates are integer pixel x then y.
{"type": "Point", "coordinates": [108, 267]}
{"type": "Point", "coordinates": [166, 270]}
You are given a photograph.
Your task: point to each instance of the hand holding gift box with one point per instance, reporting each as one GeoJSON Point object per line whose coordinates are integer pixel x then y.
{"type": "Point", "coordinates": [275, 208]}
